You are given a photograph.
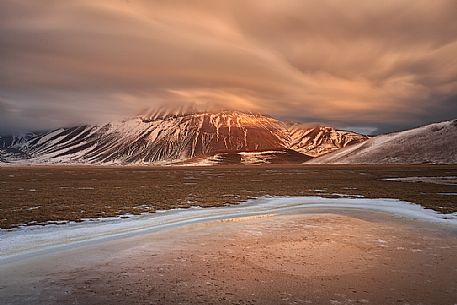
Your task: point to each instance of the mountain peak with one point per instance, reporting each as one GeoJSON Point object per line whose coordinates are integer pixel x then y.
{"type": "Point", "coordinates": [168, 110]}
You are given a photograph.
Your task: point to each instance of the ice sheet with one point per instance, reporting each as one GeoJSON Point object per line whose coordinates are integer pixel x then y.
{"type": "Point", "coordinates": [34, 240]}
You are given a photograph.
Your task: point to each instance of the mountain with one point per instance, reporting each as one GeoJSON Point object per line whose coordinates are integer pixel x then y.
{"type": "Point", "coordinates": [173, 136]}
{"type": "Point", "coordinates": [319, 140]}
{"type": "Point", "coordinates": [435, 143]}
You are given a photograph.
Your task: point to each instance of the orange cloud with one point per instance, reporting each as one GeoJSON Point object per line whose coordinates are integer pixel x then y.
{"type": "Point", "coordinates": [349, 62]}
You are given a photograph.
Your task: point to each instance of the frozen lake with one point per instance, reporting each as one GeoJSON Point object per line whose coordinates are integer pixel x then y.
{"type": "Point", "coordinates": [271, 250]}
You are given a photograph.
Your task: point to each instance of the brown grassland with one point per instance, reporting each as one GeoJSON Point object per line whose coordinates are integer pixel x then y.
{"type": "Point", "coordinates": [40, 194]}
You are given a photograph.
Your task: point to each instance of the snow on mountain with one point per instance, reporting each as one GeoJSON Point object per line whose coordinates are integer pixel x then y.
{"type": "Point", "coordinates": [173, 135]}
{"type": "Point", "coordinates": [3, 156]}
{"type": "Point", "coordinates": [320, 140]}
{"type": "Point", "coordinates": [10, 141]}
{"type": "Point", "coordinates": [435, 143]}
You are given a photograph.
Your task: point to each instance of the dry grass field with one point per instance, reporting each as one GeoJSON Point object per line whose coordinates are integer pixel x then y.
{"type": "Point", "coordinates": [41, 194]}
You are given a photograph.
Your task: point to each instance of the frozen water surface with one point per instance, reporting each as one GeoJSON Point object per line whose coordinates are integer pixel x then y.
{"type": "Point", "coordinates": [33, 240]}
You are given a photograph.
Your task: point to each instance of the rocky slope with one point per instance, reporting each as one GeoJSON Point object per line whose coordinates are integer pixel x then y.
{"type": "Point", "coordinates": [435, 143]}
{"type": "Point", "coordinates": [173, 136]}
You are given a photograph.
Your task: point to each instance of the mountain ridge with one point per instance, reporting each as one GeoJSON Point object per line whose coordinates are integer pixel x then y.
{"type": "Point", "coordinates": [168, 136]}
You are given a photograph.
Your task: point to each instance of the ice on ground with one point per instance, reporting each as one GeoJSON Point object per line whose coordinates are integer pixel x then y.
{"type": "Point", "coordinates": [33, 240]}
{"type": "Point", "coordinates": [445, 180]}
{"type": "Point", "coordinates": [33, 208]}
{"type": "Point", "coordinates": [346, 195]}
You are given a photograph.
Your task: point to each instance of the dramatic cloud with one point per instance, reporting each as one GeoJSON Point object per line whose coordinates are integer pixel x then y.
{"type": "Point", "coordinates": [368, 65]}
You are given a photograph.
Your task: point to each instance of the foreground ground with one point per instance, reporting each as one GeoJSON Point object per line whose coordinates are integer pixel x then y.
{"type": "Point", "coordinates": [31, 195]}
{"type": "Point", "coordinates": [323, 255]}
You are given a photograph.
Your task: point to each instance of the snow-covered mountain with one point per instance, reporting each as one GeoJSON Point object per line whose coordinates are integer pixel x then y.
{"type": "Point", "coordinates": [171, 136]}
{"type": "Point", "coordinates": [435, 143]}
{"type": "Point", "coordinates": [316, 141]}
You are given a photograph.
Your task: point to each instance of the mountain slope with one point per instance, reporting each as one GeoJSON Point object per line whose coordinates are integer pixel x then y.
{"type": "Point", "coordinates": [435, 143]}
{"type": "Point", "coordinates": [172, 136]}
{"type": "Point", "coordinates": [320, 140]}
{"type": "Point", "coordinates": [277, 156]}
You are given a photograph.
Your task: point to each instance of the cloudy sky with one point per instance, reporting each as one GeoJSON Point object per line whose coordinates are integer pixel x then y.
{"type": "Point", "coordinates": [372, 66]}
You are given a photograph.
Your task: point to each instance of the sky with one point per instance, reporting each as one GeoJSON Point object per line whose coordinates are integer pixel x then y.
{"type": "Point", "coordinates": [369, 66]}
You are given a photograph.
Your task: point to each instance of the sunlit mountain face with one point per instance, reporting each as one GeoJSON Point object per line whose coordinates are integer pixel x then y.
{"type": "Point", "coordinates": [373, 67]}
{"type": "Point", "coordinates": [174, 135]}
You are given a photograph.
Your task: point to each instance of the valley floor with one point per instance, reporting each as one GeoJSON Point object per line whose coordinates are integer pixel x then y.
{"type": "Point", "coordinates": [43, 194]}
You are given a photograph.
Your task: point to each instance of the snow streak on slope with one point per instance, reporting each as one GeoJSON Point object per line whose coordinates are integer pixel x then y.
{"type": "Point", "coordinates": [320, 140]}
{"type": "Point", "coordinates": [3, 156]}
{"type": "Point", "coordinates": [174, 135]}
{"type": "Point", "coordinates": [435, 143]}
